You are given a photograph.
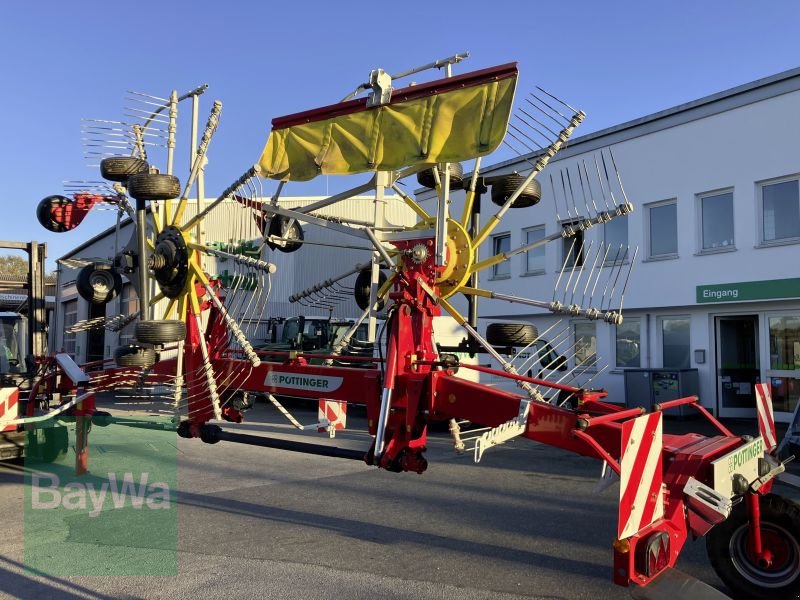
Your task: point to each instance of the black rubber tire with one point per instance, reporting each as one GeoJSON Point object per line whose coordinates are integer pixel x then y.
{"type": "Point", "coordinates": [511, 334]}
{"type": "Point", "coordinates": [726, 545]}
{"type": "Point", "coordinates": [54, 447]}
{"type": "Point", "coordinates": [102, 418]}
{"type": "Point", "coordinates": [277, 227]}
{"type": "Point", "coordinates": [44, 213]}
{"type": "Point", "coordinates": [160, 332]}
{"type": "Point", "coordinates": [425, 178]}
{"type": "Point", "coordinates": [362, 287]}
{"type": "Point", "coordinates": [120, 168]}
{"type": "Point", "coordinates": [210, 434]}
{"type": "Point", "coordinates": [134, 356]}
{"type": "Point", "coordinates": [502, 190]}
{"type": "Point", "coordinates": [98, 283]}
{"type": "Point", "coordinates": [153, 186]}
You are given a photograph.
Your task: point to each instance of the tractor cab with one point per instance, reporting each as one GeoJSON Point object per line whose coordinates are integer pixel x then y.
{"type": "Point", "coordinates": [13, 336]}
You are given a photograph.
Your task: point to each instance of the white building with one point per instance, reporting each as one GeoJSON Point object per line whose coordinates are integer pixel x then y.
{"type": "Point", "coordinates": [715, 286]}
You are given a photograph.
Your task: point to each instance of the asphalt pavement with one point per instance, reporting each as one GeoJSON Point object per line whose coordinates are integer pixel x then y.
{"type": "Point", "coordinates": [525, 522]}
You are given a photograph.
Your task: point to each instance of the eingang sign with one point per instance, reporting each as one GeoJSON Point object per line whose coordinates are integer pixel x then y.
{"type": "Point", "coordinates": [749, 290]}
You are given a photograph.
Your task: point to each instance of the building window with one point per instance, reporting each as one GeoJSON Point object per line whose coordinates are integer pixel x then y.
{"type": "Point", "coordinates": [128, 305]}
{"type": "Point", "coordinates": [70, 318]}
{"type": "Point", "coordinates": [663, 230]}
{"type": "Point", "coordinates": [534, 259]}
{"type": "Point", "coordinates": [675, 342]}
{"type": "Point", "coordinates": [501, 243]}
{"type": "Point", "coordinates": [585, 344]}
{"type": "Point", "coordinates": [615, 234]}
{"type": "Point", "coordinates": [716, 221]}
{"type": "Point", "coordinates": [629, 343]}
{"type": "Point", "coordinates": [572, 247]}
{"type": "Point", "coordinates": [784, 362]}
{"type": "Point", "coordinates": [780, 211]}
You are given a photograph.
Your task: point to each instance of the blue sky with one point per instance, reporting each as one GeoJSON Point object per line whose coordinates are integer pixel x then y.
{"type": "Point", "coordinates": [617, 60]}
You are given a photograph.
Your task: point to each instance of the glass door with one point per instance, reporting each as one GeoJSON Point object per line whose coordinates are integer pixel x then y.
{"type": "Point", "coordinates": [783, 370]}
{"type": "Point", "coordinates": [738, 367]}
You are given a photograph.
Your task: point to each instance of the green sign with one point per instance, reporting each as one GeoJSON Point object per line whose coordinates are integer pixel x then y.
{"type": "Point", "coordinates": [749, 290]}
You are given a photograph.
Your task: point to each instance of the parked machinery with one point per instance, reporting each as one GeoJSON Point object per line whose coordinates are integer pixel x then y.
{"type": "Point", "coordinates": [671, 486]}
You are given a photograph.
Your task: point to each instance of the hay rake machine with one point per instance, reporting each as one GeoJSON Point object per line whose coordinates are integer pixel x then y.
{"type": "Point", "coordinates": [671, 486]}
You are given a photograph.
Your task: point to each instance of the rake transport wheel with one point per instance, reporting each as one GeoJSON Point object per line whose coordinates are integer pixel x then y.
{"type": "Point", "coordinates": [120, 168]}
{"type": "Point", "coordinates": [425, 178]}
{"type": "Point", "coordinates": [776, 574]}
{"type": "Point", "coordinates": [98, 283]}
{"type": "Point", "coordinates": [158, 332]}
{"type": "Point", "coordinates": [135, 356]}
{"type": "Point", "coordinates": [279, 227]}
{"type": "Point", "coordinates": [530, 195]}
{"type": "Point", "coordinates": [154, 186]}
{"type": "Point", "coordinates": [511, 334]}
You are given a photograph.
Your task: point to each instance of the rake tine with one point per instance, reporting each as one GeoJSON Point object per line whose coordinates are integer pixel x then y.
{"type": "Point", "coordinates": [600, 181]}
{"type": "Point", "coordinates": [553, 133]}
{"type": "Point", "coordinates": [619, 179]}
{"type": "Point", "coordinates": [555, 197]}
{"type": "Point", "coordinates": [550, 107]}
{"type": "Point", "coordinates": [559, 100]}
{"type": "Point", "coordinates": [511, 126]}
{"type": "Point", "coordinates": [597, 374]}
{"type": "Point", "coordinates": [608, 180]}
{"type": "Point", "coordinates": [572, 271]}
{"type": "Point", "coordinates": [627, 276]}
{"type": "Point", "coordinates": [588, 184]}
{"type": "Point", "coordinates": [530, 138]}
{"type": "Point", "coordinates": [616, 279]}
{"type": "Point", "coordinates": [147, 102]}
{"type": "Point", "coordinates": [563, 267]}
{"type": "Point", "coordinates": [146, 95]}
{"type": "Point", "coordinates": [591, 273]}
{"type": "Point", "coordinates": [610, 277]}
{"type": "Point", "coordinates": [580, 273]}
{"type": "Point", "coordinates": [566, 198]}
{"type": "Point", "coordinates": [585, 204]}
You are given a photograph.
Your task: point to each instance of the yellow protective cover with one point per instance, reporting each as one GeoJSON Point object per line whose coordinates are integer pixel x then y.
{"type": "Point", "coordinates": [458, 119]}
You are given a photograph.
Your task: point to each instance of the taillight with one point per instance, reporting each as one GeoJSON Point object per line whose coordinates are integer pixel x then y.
{"type": "Point", "coordinates": [653, 556]}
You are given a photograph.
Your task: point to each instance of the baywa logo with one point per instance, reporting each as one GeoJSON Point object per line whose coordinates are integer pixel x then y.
{"type": "Point", "coordinates": [115, 493]}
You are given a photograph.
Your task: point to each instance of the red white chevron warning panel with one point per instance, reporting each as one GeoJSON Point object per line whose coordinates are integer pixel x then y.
{"type": "Point", "coordinates": [9, 397]}
{"type": "Point", "coordinates": [641, 499]}
{"type": "Point", "coordinates": [766, 418]}
{"type": "Point", "coordinates": [334, 411]}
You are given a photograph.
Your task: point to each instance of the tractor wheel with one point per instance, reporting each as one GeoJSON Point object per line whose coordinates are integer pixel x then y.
{"type": "Point", "coordinates": [425, 178]}
{"type": "Point", "coordinates": [154, 186]}
{"type": "Point", "coordinates": [47, 445]}
{"type": "Point", "coordinates": [511, 334]}
{"type": "Point", "coordinates": [278, 228]}
{"type": "Point", "coordinates": [44, 213]}
{"type": "Point", "coordinates": [160, 332]}
{"type": "Point", "coordinates": [135, 356]}
{"type": "Point", "coordinates": [120, 168]}
{"type": "Point", "coordinates": [503, 189]}
{"type": "Point", "coordinates": [98, 283]}
{"type": "Point", "coordinates": [362, 287]}
{"type": "Point", "coordinates": [775, 578]}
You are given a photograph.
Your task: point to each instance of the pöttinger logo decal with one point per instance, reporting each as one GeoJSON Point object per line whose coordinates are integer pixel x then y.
{"type": "Point", "coordinates": [297, 381]}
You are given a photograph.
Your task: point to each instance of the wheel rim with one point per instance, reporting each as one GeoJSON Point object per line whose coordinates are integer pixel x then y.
{"type": "Point", "coordinates": [101, 282]}
{"type": "Point", "coordinates": [785, 550]}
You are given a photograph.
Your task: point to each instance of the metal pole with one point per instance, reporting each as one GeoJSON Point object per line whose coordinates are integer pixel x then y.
{"type": "Point", "coordinates": [141, 247]}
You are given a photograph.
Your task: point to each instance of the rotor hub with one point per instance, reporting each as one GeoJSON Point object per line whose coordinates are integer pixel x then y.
{"type": "Point", "coordinates": [170, 262]}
